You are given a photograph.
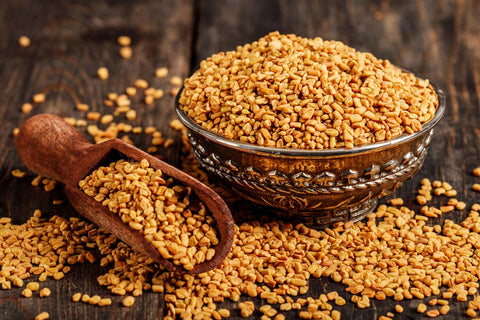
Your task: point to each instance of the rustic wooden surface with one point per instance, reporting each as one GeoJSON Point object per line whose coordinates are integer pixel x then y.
{"type": "Point", "coordinates": [71, 39]}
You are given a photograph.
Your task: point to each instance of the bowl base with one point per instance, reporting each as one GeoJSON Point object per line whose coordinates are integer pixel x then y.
{"type": "Point", "coordinates": [320, 219]}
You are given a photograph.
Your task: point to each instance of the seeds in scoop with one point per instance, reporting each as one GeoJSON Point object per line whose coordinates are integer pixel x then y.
{"type": "Point", "coordinates": [103, 73]}
{"type": "Point", "coordinates": [156, 207]}
{"type": "Point", "coordinates": [24, 41]}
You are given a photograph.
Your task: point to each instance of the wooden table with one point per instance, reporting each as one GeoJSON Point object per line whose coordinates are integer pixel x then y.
{"type": "Point", "coordinates": [439, 40]}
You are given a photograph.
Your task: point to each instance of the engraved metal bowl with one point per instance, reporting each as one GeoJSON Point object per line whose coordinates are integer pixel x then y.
{"type": "Point", "coordinates": [316, 187]}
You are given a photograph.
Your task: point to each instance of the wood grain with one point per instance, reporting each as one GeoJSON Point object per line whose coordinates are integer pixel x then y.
{"type": "Point", "coordinates": [439, 40]}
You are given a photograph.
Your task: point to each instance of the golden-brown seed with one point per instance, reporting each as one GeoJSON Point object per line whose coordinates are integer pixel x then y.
{"type": "Point", "coordinates": [17, 173]}
{"type": "Point", "coordinates": [34, 286]}
{"type": "Point", "coordinates": [27, 108]}
{"type": "Point", "coordinates": [125, 52]}
{"type": "Point", "coordinates": [82, 107]}
{"type": "Point", "coordinates": [421, 308]}
{"type": "Point", "coordinates": [38, 98]}
{"type": "Point", "coordinates": [476, 187]}
{"type": "Point", "coordinates": [176, 81]}
{"type": "Point", "coordinates": [24, 41]}
{"type": "Point", "coordinates": [161, 72]}
{"type": "Point", "coordinates": [42, 316]}
{"type": "Point", "coordinates": [27, 293]}
{"type": "Point", "coordinates": [141, 84]}
{"type": "Point", "coordinates": [124, 40]}
{"type": "Point", "coordinates": [103, 73]}
{"type": "Point", "coordinates": [76, 297]}
{"type": "Point", "coordinates": [476, 172]}
{"type": "Point", "coordinates": [128, 301]}
{"type": "Point", "coordinates": [45, 292]}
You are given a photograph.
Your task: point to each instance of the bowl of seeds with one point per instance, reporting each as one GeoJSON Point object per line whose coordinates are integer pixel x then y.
{"type": "Point", "coordinates": [313, 129]}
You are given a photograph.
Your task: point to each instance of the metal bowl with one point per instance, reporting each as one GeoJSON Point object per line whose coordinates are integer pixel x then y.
{"type": "Point", "coordinates": [319, 187]}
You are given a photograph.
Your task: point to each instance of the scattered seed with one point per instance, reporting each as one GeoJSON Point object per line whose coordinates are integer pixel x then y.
{"type": "Point", "coordinates": [38, 98]}
{"type": "Point", "coordinates": [103, 73]}
{"type": "Point", "coordinates": [128, 301]}
{"type": "Point", "coordinates": [125, 52]}
{"type": "Point", "coordinates": [124, 41]}
{"type": "Point", "coordinates": [24, 41]}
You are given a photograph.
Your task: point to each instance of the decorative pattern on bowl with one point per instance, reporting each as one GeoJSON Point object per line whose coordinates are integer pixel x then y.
{"type": "Point", "coordinates": [317, 188]}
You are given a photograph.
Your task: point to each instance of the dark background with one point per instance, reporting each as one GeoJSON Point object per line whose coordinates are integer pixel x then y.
{"type": "Point", "coordinates": [439, 40]}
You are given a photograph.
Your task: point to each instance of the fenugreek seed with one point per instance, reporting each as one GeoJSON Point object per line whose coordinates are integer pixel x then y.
{"type": "Point", "coordinates": [161, 72]}
{"type": "Point", "coordinates": [128, 301]}
{"type": "Point", "coordinates": [42, 316]}
{"type": "Point", "coordinates": [471, 313]}
{"type": "Point", "coordinates": [421, 308]}
{"type": "Point", "coordinates": [176, 81]}
{"type": "Point", "coordinates": [106, 119]}
{"type": "Point", "coordinates": [27, 293]}
{"type": "Point", "coordinates": [81, 123]}
{"type": "Point", "coordinates": [131, 91]}
{"type": "Point", "coordinates": [335, 314]}
{"type": "Point", "coordinates": [141, 84]}
{"type": "Point", "coordinates": [421, 200]}
{"type": "Point", "coordinates": [76, 297]}
{"type": "Point", "coordinates": [174, 91]}
{"type": "Point", "coordinates": [34, 286]}
{"type": "Point", "coordinates": [124, 40]}
{"type": "Point", "coordinates": [15, 132]}
{"type": "Point", "coordinates": [24, 41]}
{"type": "Point", "coordinates": [38, 98]}
{"type": "Point", "coordinates": [131, 115]}
{"type": "Point", "coordinates": [94, 300]}
{"type": "Point", "coordinates": [433, 313]}
{"type": "Point", "coordinates": [149, 100]}
{"type": "Point", "coordinates": [125, 52]}
{"type": "Point", "coordinates": [158, 94]}
{"type": "Point", "coordinates": [94, 116]}
{"type": "Point", "coordinates": [476, 187]}
{"type": "Point", "coordinates": [398, 308]}
{"type": "Point", "coordinates": [105, 302]}
{"type": "Point", "coordinates": [45, 292]}
{"type": "Point", "coordinates": [103, 73]}
{"type": "Point", "coordinates": [82, 107]}
{"type": "Point", "coordinates": [27, 108]}
{"type": "Point", "coordinates": [17, 173]}
{"type": "Point", "coordinates": [476, 172]}
{"type": "Point", "coordinates": [444, 309]}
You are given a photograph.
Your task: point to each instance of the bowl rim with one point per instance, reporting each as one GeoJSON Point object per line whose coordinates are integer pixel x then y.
{"type": "Point", "coordinates": [190, 124]}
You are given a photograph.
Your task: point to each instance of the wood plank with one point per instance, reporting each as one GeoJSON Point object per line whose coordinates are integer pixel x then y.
{"type": "Point", "coordinates": [435, 39]}
{"type": "Point", "coordinates": [70, 40]}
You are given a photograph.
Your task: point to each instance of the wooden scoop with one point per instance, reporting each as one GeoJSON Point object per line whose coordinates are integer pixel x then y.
{"type": "Point", "coordinates": [48, 145]}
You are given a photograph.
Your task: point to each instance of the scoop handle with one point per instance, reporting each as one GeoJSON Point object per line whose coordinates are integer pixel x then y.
{"type": "Point", "coordinates": [48, 145]}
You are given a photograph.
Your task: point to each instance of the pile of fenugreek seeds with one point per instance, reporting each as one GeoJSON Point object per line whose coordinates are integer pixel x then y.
{"type": "Point", "coordinates": [158, 207]}
{"type": "Point", "coordinates": [286, 91]}
{"type": "Point", "coordinates": [395, 253]}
